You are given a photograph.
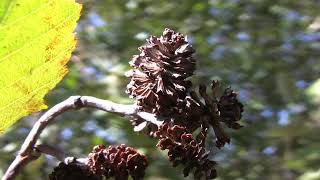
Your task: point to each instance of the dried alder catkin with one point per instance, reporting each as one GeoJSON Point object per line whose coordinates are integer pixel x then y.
{"type": "Point", "coordinates": [73, 171]}
{"type": "Point", "coordinates": [118, 162]}
{"type": "Point", "coordinates": [184, 149]}
{"type": "Point", "coordinates": [159, 83]}
{"type": "Point", "coordinates": [158, 79]}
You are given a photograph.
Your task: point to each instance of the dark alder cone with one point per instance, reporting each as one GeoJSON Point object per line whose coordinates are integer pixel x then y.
{"type": "Point", "coordinates": [97, 161]}
{"type": "Point", "coordinates": [158, 79]}
{"type": "Point", "coordinates": [118, 162]}
{"type": "Point", "coordinates": [230, 109]}
{"type": "Point", "coordinates": [212, 111]}
{"type": "Point", "coordinates": [73, 171]}
{"type": "Point", "coordinates": [184, 149]}
{"type": "Point", "coordinates": [159, 85]}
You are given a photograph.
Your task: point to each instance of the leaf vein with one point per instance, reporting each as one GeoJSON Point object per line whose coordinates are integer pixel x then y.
{"type": "Point", "coordinates": [30, 42]}
{"type": "Point", "coordinates": [42, 65]}
{"type": "Point", "coordinates": [23, 17]}
{"type": "Point", "coordinates": [6, 11]}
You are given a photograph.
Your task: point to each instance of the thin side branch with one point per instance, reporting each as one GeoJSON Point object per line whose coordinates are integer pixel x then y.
{"type": "Point", "coordinates": [52, 151]}
{"type": "Point", "coordinates": [29, 152]}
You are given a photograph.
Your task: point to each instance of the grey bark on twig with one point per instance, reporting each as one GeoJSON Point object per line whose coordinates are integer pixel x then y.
{"type": "Point", "coordinates": [29, 151]}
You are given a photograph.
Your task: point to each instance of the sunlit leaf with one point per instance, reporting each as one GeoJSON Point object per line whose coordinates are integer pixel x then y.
{"type": "Point", "coordinates": [36, 41]}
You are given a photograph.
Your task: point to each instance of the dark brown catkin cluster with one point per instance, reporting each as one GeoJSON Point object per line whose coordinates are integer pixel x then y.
{"type": "Point", "coordinates": [158, 78]}
{"type": "Point", "coordinates": [184, 149]}
{"type": "Point", "coordinates": [118, 162]}
{"type": "Point", "coordinates": [159, 83]}
{"type": "Point", "coordinates": [73, 171]}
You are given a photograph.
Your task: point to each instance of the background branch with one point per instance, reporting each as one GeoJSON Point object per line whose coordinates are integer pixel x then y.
{"type": "Point", "coordinates": [29, 152]}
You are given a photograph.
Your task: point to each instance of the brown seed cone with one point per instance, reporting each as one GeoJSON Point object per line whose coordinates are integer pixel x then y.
{"type": "Point", "coordinates": [160, 86]}
{"type": "Point", "coordinates": [118, 162]}
{"type": "Point", "coordinates": [158, 79]}
{"type": "Point", "coordinates": [230, 109]}
{"type": "Point", "coordinates": [97, 161]}
{"type": "Point", "coordinates": [211, 111]}
{"type": "Point", "coordinates": [184, 149]}
{"type": "Point", "coordinates": [73, 171]}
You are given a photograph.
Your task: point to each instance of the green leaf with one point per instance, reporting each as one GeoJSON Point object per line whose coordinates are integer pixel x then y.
{"type": "Point", "coordinates": [36, 43]}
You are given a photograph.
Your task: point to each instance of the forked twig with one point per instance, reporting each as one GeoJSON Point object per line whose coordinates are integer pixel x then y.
{"type": "Point", "coordinates": [29, 151]}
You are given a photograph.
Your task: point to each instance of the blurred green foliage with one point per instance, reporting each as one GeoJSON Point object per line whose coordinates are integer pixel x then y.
{"type": "Point", "coordinates": [267, 50]}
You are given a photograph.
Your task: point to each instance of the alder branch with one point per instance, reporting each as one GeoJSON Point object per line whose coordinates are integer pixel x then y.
{"type": "Point", "coordinates": [52, 151]}
{"type": "Point", "coordinates": [59, 154]}
{"type": "Point", "coordinates": [29, 152]}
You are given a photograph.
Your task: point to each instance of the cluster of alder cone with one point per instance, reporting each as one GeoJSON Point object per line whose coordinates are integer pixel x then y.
{"type": "Point", "coordinates": [159, 84]}
{"type": "Point", "coordinates": [115, 161]}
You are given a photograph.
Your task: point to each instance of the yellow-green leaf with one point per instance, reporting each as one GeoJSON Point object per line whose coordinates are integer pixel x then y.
{"type": "Point", "coordinates": [36, 41]}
